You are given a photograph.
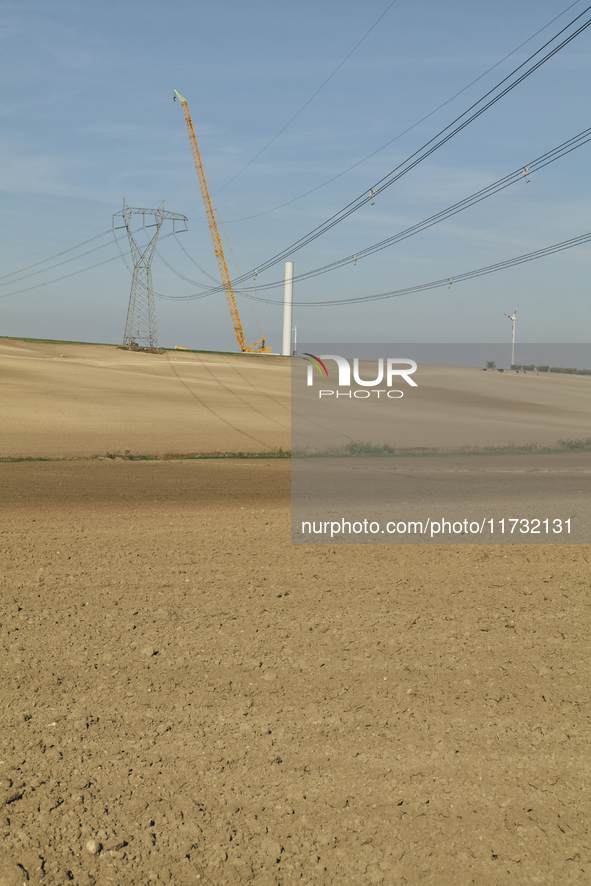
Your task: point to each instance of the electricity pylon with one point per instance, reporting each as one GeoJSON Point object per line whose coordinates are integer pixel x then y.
{"type": "Point", "coordinates": [140, 326]}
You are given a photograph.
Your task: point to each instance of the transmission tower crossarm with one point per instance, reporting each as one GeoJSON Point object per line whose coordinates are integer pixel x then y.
{"type": "Point", "coordinates": [215, 235]}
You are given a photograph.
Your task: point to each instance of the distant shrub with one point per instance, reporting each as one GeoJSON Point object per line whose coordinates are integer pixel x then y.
{"type": "Point", "coordinates": [583, 371]}
{"type": "Point", "coordinates": [359, 448]}
{"type": "Point", "coordinates": [577, 445]}
{"type": "Point", "coordinates": [490, 364]}
{"type": "Point", "coordinates": [564, 369]}
{"type": "Point", "coordinates": [530, 367]}
{"type": "Point", "coordinates": [517, 366]}
{"type": "Point", "coordinates": [543, 368]}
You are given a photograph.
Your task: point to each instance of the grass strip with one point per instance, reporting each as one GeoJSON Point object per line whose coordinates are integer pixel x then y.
{"type": "Point", "coordinates": [349, 450]}
{"type": "Point", "coordinates": [168, 456]}
{"type": "Point", "coordinates": [371, 450]}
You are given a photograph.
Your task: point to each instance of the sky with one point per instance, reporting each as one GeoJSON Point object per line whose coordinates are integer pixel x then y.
{"type": "Point", "coordinates": [286, 99]}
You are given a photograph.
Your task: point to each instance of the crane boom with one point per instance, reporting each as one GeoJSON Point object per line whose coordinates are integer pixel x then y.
{"type": "Point", "coordinates": [215, 238]}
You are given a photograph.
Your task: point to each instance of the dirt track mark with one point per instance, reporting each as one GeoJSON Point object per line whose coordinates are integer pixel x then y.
{"type": "Point", "coordinates": [217, 415]}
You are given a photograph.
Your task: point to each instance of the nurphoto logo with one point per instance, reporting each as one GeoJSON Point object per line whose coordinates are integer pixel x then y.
{"type": "Point", "coordinates": [388, 369]}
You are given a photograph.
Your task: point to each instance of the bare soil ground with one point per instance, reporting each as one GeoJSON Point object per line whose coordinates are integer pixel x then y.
{"type": "Point", "coordinates": [86, 400]}
{"type": "Point", "coordinates": [188, 698]}
{"type": "Point", "coordinates": [520, 498]}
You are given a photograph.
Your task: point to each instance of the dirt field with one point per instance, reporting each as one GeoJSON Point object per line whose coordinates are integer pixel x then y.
{"type": "Point", "coordinates": [88, 400]}
{"type": "Point", "coordinates": [188, 698]}
{"type": "Point", "coordinates": [500, 497]}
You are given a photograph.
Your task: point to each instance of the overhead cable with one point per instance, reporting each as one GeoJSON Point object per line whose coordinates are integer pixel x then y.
{"type": "Point", "coordinates": [405, 131]}
{"type": "Point", "coordinates": [178, 273]}
{"type": "Point", "coordinates": [57, 279]}
{"type": "Point", "coordinates": [432, 145]}
{"type": "Point", "coordinates": [47, 248]}
{"type": "Point", "coordinates": [58, 265]}
{"type": "Point", "coordinates": [193, 260]}
{"type": "Point", "coordinates": [444, 281]}
{"type": "Point", "coordinates": [312, 97]}
{"type": "Point", "coordinates": [74, 273]}
{"type": "Point", "coordinates": [511, 178]}
{"type": "Point", "coordinates": [52, 257]}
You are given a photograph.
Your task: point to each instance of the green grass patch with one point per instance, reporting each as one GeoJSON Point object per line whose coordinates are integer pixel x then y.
{"type": "Point", "coordinates": [56, 341]}
{"type": "Point", "coordinates": [371, 450]}
{"type": "Point", "coordinates": [349, 450]}
{"type": "Point", "coordinates": [168, 456]}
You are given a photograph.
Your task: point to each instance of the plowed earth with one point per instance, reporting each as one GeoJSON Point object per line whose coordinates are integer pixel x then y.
{"type": "Point", "coordinates": [187, 698]}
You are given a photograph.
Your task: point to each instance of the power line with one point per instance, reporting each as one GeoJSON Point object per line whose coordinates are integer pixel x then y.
{"type": "Point", "coordinates": [191, 297]}
{"type": "Point", "coordinates": [312, 97]}
{"type": "Point", "coordinates": [65, 277]}
{"type": "Point", "coordinates": [405, 131]}
{"type": "Point", "coordinates": [39, 251]}
{"type": "Point", "coordinates": [51, 258]}
{"type": "Point", "coordinates": [59, 264]}
{"type": "Point", "coordinates": [74, 273]}
{"type": "Point", "coordinates": [323, 229]}
{"type": "Point", "coordinates": [511, 178]}
{"type": "Point", "coordinates": [183, 276]}
{"type": "Point", "coordinates": [445, 281]}
{"type": "Point", "coordinates": [194, 262]}
{"type": "Point", "coordinates": [429, 147]}
{"type": "Point", "coordinates": [64, 262]}
{"type": "Point", "coordinates": [121, 253]}
{"type": "Point", "coordinates": [423, 287]}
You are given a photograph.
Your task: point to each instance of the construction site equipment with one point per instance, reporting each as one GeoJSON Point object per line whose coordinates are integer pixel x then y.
{"type": "Point", "coordinates": [140, 326]}
{"type": "Point", "coordinates": [258, 346]}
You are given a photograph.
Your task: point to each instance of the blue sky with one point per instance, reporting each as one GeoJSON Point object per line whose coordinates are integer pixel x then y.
{"type": "Point", "coordinates": [88, 119]}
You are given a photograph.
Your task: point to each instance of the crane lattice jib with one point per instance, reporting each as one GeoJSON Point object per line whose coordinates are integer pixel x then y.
{"type": "Point", "coordinates": [213, 229]}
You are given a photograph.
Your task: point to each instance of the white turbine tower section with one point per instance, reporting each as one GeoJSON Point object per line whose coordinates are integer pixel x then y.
{"type": "Point", "coordinates": [512, 319]}
{"type": "Point", "coordinates": [287, 308]}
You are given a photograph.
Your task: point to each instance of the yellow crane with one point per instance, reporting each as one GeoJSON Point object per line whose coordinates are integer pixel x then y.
{"type": "Point", "coordinates": [258, 346]}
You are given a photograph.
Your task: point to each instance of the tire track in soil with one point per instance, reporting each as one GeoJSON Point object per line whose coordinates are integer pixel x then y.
{"type": "Point", "coordinates": [217, 414]}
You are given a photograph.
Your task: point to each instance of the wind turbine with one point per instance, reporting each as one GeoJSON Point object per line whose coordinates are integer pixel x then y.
{"type": "Point", "coordinates": [512, 319]}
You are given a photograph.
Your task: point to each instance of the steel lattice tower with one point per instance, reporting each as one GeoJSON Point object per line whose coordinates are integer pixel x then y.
{"type": "Point", "coordinates": [140, 326]}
